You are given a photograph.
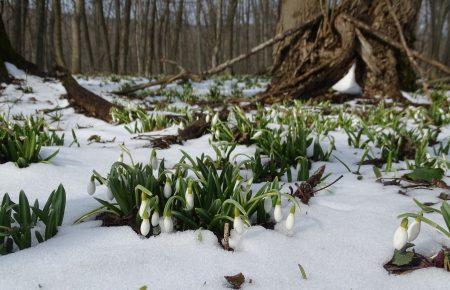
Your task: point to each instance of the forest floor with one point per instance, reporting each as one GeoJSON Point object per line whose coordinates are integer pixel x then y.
{"type": "Point", "coordinates": [342, 238]}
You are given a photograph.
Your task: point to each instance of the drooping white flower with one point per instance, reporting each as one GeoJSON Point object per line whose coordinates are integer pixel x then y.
{"type": "Point", "coordinates": [215, 119]}
{"type": "Point", "coordinates": [217, 134]}
{"type": "Point", "coordinates": [189, 196]}
{"type": "Point", "coordinates": [414, 230]}
{"type": "Point", "coordinates": [155, 218]}
{"type": "Point", "coordinates": [168, 224]}
{"type": "Point", "coordinates": [290, 219]}
{"type": "Point", "coordinates": [257, 135]}
{"type": "Point", "coordinates": [268, 204]}
{"type": "Point", "coordinates": [178, 185]}
{"type": "Point", "coordinates": [145, 227]}
{"type": "Point", "coordinates": [91, 187]}
{"type": "Point", "coordinates": [182, 126]}
{"type": "Point", "coordinates": [109, 194]}
{"type": "Point", "coordinates": [208, 118]}
{"type": "Point", "coordinates": [167, 189]}
{"type": "Point", "coordinates": [401, 235]}
{"type": "Point", "coordinates": [120, 159]}
{"type": "Point", "coordinates": [277, 214]}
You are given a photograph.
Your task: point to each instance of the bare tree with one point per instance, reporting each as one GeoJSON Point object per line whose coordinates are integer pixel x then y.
{"type": "Point", "coordinates": [59, 56]}
{"type": "Point", "coordinates": [87, 38]}
{"type": "Point", "coordinates": [101, 24]}
{"type": "Point", "coordinates": [229, 28]}
{"type": "Point", "coordinates": [76, 38]}
{"type": "Point", "coordinates": [41, 27]}
{"type": "Point", "coordinates": [198, 22]}
{"type": "Point", "coordinates": [217, 31]}
{"type": "Point", "coordinates": [116, 36]}
{"type": "Point", "coordinates": [125, 36]}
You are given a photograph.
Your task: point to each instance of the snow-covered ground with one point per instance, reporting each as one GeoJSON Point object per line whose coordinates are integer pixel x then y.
{"type": "Point", "coordinates": [342, 239]}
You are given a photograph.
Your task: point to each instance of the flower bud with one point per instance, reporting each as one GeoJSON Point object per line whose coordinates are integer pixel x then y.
{"type": "Point", "coordinates": [413, 230]}
{"type": "Point", "coordinates": [277, 214]}
{"type": "Point", "coordinates": [168, 224]}
{"type": "Point", "coordinates": [268, 204]}
{"type": "Point", "coordinates": [91, 187]}
{"type": "Point", "coordinates": [143, 208]}
{"type": "Point", "coordinates": [290, 219]}
{"type": "Point", "coordinates": [145, 227]}
{"type": "Point", "coordinates": [401, 235]}
{"type": "Point", "coordinates": [167, 189]}
{"type": "Point", "coordinates": [189, 196]}
{"type": "Point", "coordinates": [257, 135]}
{"type": "Point", "coordinates": [154, 160]}
{"type": "Point", "coordinates": [215, 119]}
{"type": "Point", "coordinates": [120, 159]}
{"type": "Point", "coordinates": [155, 218]}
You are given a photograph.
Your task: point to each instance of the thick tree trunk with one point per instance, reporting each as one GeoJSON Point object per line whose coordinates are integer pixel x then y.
{"type": "Point", "coordinates": [59, 57]}
{"type": "Point", "coordinates": [41, 10]}
{"type": "Point", "coordinates": [125, 36]}
{"type": "Point", "coordinates": [309, 63]}
{"type": "Point", "coordinates": [151, 53]}
{"type": "Point", "coordinates": [103, 34]}
{"type": "Point", "coordinates": [76, 38]}
{"type": "Point", "coordinates": [177, 32]}
{"type": "Point", "coordinates": [229, 28]}
{"type": "Point", "coordinates": [116, 36]}
{"type": "Point", "coordinates": [87, 38]}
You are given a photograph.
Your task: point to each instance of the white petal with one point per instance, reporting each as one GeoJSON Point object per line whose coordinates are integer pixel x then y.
{"type": "Point", "coordinates": [167, 190]}
{"type": "Point", "coordinates": [168, 224]}
{"type": "Point", "coordinates": [91, 187]}
{"type": "Point", "coordinates": [290, 222]}
{"type": "Point", "coordinates": [155, 219]}
{"type": "Point", "coordinates": [267, 204]}
{"type": "Point", "coordinates": [400, 238]}
{"type": "Point", "coordinates": [145, 227]}
{"type": "Point", "coordinates": [413, 231]}
{"type": "Point", "coordinates": [277, 213]}
{"type": "Point", "coordinates": [238, 225]}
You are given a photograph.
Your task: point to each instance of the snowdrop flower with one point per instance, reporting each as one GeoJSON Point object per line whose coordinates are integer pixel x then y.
{"type": "Point", "coordinates": [167, 189]}
{"type": "Point", "coordinates": [215, 119]}
{"type": "Point", "coordinates": [154, 160]}
{"type": "Point", "coordinates": [234, 240]}
{"type": "Point", "coordinates": [238, 224]}
{"type": "Point", "coordinates": [290, 219]}
{"type": "Point", "coordinates": [178, 185]}
{"type": "Point", "coordinates": [414, 230]}
{"type": "Point", "coordinates": [120, 159]}
{"type": "Point", "coordinates": [268, 204]}
{"type": "Point", "coordinates": [257, 135]}
{"type": "Point", "coordinates": [217, 134]}
{"type": "Point", "coordinates": [401, 235]}
{"type": "Point", "coordinates": [277, 211]}
{"type": "Point", "coordinates": [208, 117]}
{"type": "Point", "coordinates": [109, 194]}
{"type": "Point", "coordinates": [145, 227]}
{"type": "Point", "coordinates": [91, 187]}
{"type": "Point", "coordinates": [155, 218]}
{"type": "Point", "coordinates": [168, 223]}
{"type": "Point", "coordinates": [189, 196]}
{"type": "Point", "coordinates": [182, 126]}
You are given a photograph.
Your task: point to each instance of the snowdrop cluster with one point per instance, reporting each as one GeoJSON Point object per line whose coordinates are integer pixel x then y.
{"type": "Point", "coordinates": [406, 233]}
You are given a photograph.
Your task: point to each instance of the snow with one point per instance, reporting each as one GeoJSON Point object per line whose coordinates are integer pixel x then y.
{"type": "Point", "coordinates": [342, 239]}
{"type": "Point", "coordinates": [348, 84]}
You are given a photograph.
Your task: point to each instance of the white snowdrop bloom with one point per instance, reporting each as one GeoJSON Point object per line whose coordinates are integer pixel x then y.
{"type": "Point", "coordinates": [267, 204]}
{"type": "Point", "coordinates": [413, 230]}
{"type": "Point", "coordinates": [182, 126]}
{"type": "Point", "coordinates": [290, 219]}
{"type": "Point", "coordinates": [167, 189]}
{"type": "Point", "coordinates": [178, 185]}
{"type": "Point", "coordinates": [257, 135]}
{"type": "Point", "coordinates": [143, 207]}
{"type": "Point", "coordinates": [217, 134]}
{"type": "Point", "coordinates": [238, 224]}
{"type": "Point", "coordinates": [401, 235]}
{"type": "Point", "coordinates": [215, 119]}
{"type": "Point", "coordinates": [120, 159]}
{"type": "Point", "coordinates": [109, 194]}
{"type": "Point", "coordinates": [277, 214]}
{"type": "Point", "coordinates": [189, 196]}
{"type": "Point", "coordinates": [155, 218]}
{"type": "Point", "coordinates": [168, 224]}
{"type": "Point", "coordinates": [154, 162]}
{"type": "Point", "coordinates": [91, 187]}
{"type": "Point", "coordinates": [145, 227]}
{"type": "Point", "coordinates": [208, 118]}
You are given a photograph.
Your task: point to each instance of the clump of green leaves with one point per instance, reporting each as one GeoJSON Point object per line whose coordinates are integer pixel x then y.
{"type": "Point", "coordinates": [21, 141]}
{"type": "Point", "coordinates": [18, 221]}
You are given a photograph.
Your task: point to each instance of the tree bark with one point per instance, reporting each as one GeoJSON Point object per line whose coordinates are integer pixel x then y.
{"type": "Point", "coordinates": [151, 56]}
{"type": "Point", "coordinates": [59, 57]}
{"type": "Point", "coordinates": [87, 38]}
{"type": "Point", "coordinates": [229, 27]}
{"type": "Point", "coordinates": [41, 26]}
{"type": "Point", "coordinates": [177, 32]}
{"type": "Point", "coordinates": [76, 38]}
{"type": "Point", "coordinates": [116, 36]}
{"type": "Point", "coordinates": [218, 33]}
{"type": "Point", "coordinates": [198, 23]}
{"type": "Point", "coordinates": [125, 37]}
{"type": "Point", "coordinates": [100, 17]}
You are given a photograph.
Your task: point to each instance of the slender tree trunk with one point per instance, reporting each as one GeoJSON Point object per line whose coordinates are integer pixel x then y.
{"type": "Point", "coordinates": [116, 36]}
{"type": "Point", "coordinates": [125, 37]}
{"type": "Point", "coordinates": [145, 38]}
{"type": "Point", "coordinates": [59, 57]}
{"type": "Point", "coordinates": [151, 57]}
{"type": "Point", "coordinates": [229, 27]}
{"type": "Point", "coordinates": [50, 51]}
{"type": "Point", "coordinates": [446, 57]}
{"type": "Point", "coordinates": [198, 10]}
{"type": "Point", "coordinates": [17, 40]}
{"type": "Point", "coordinates": [218, 34]}
{"type": "Point", "coordinates": [87, 38]}
{"type": "Point", "coordinates": [177, 32]}
{"type": "Point", "coordinates": [76, 38]}
{"type": "Point", "coordinates": [101, 34]}
{"type": "Point", "coordinates": [40, 33]}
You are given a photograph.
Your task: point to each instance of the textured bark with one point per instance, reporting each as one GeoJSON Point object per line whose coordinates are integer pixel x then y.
{"type": "Point", "coordinates": [87, 38]}
{"type": "Point", "coordinates": [217, 32]}
{"type": "Point", "coordinates": [125, 37]}
{"type": "Point", "coordinates": [151, 53]}
{"type": "Point", "coordinates": [41, 26]}
{"type": "Point", "coordinates": [177, 32]}
{"type": "Point", "coordinates": [104, 33]}
{"type": "Point", "coordinates": [59, 57]}
{"type": "Point", "coordinates": [229, 28]}
{"type": "Point", "coordinates": [198, 28]}
{"type": "Point", "coordinates": [76, 38]}
{"type": "Point", "coordinates": [308, 64]}
{"type": "Point", "coordinates": [116, 36]}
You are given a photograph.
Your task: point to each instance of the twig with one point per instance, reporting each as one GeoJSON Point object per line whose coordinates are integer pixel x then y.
{"type": "Point", "coordinates": [226, 236]}
{"type": "Point", "coordinates": [46, 111]}
{"type": "Point", "coordinates": [325, 187]}
{"type": "Point", "coordinates": [386, 39]}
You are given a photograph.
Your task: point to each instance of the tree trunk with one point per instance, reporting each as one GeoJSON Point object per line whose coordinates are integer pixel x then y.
{"type": "Point", "coordinates": [59, 57]}
{"type": "Point", "coordinates": [76, 38]}
{"type": "Point", "coordinates": [198, 23]}
{"type": "Point", "coordinates": [177, 32]}
{"type": "Point", "coordinates": [17, 41]}
{"type": "Point", "coordinates": [229, 27]}
{"type": "Point", "coordinates": [151, 56]}
{"type": "Point", "coordinates": [309, 63]}
{"type": "Point", "coordinates": [40, 33]}
{"type": "Point", "coordinates": [218, 34]}
{"type": "Point", "coordinates": [125, 37]}
{"type": "Point", "coordinates": [116, 36]}
{"type": "Point", "coordinates": [103, 34]}
{"type": "Point", "coordinates": [87, 38]}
